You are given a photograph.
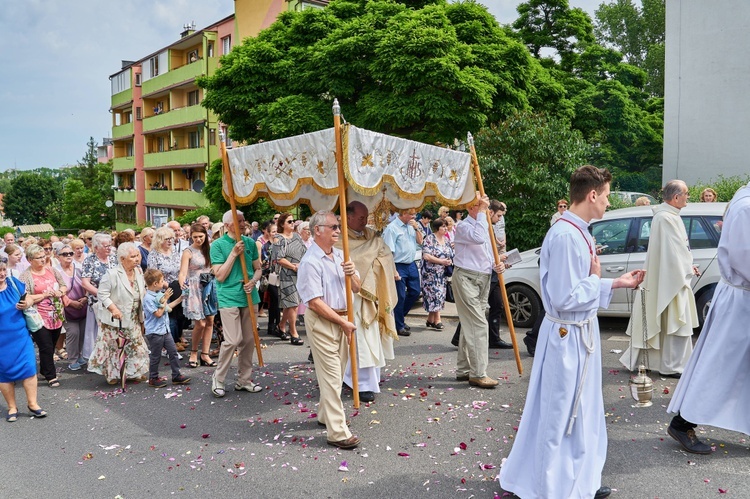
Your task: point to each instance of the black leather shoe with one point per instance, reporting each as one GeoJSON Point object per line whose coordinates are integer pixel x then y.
{"type": "Point", "coordinates": [531, 348]}
{"type": "Point", "coordinates": [366, 396]}
{"type": "Point", "coordinates": [602, 492]}
{"type": "Point", "coordinates": [501, 344]}
{"type": "Point", "coordinates": [689, 441]}
{"type": "Point", "coordinates": [673, 375]}
{"type": "Point", "coordinates": [407, 327]}
{"type": "Point", "coordinates": [404, 332]}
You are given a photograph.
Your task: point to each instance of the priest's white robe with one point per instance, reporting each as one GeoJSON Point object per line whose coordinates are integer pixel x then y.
{"type": "Point", "coordinates": [714, 387]}
{"type": "Point", "coordinates": [546, 462]}
{"type": "Point", "coordinates": [670, 305]}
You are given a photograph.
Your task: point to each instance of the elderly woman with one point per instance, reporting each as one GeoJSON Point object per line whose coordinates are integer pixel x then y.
{"type": "Point", "coordinates": [196, 260]}
{"type": "Point", "coordinates": [147, 237]}
{"type": "Point", "coordinates": [45, 287]}
{"type": "Point", "coordinates": [437, 255]}
{"type": "Point", "coordinates": [96, 264]}
{"type": "Point", "coordinates": [304, 232]}
{"type": "Point", "coordinates": [79, 255]}
{"type": "Point", "coordinates": [165, 258]}
{"type": "Point", "coordinates": [709, 196]}
{"type": "Point", "coordinates": [17, 358]}
{"type": "Point", "coordinates": [288, 250]}
{"type": "Point", "coordinates": [121, 351]}
{"type": "Point", "coordinates": [74, 301]}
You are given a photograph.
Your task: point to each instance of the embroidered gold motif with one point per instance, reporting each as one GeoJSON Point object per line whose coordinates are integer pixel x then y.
{"type": "Point", "coordinates": [563, 332]}
{"type": "Point", "coordinates": [367, 160]}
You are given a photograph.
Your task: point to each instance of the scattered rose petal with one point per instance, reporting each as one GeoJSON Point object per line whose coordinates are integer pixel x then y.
{"type": "Point", "coordinates": [722, 491]}
{"type": "Point", "coordinates": [462, 446]}
{"type": "Point", "coordinates": [403, 454]}
{"type": "Point", "coordinates": [205, 435]}
{"type": "Point", "coordinates": [666, 389]}
{"type": "Point", "coordinates": [183, 426]}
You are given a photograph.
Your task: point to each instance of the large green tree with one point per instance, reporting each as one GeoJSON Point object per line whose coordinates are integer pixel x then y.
{"type": "Point", "coordinates": [427, 70]}
{"type": "Point", "coordinates": [86, 192]}
{"type": "Point", "coordinates": [31, 198]}
{"type": "Point", "coordinates": [529, 158]}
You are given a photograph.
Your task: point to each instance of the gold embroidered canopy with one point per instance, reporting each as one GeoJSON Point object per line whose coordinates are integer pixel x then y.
{"type": "Point", "coordinates": [302, 169]}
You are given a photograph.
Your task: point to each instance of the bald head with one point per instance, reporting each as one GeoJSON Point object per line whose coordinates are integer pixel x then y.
{"type": "Point", "coordinates": [356, 216]}
{"type": "Point", "coordinates": [675, 194]}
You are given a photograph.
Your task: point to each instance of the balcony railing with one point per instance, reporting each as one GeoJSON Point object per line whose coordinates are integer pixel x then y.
{"type": "Point", "coordinates": [126, 163]}
{"type": "Point", "coordinates": [188, 199]}
{"type": "Point", "coordinates": [174, 118]}
{"type": "Point", "coordinates": [124, 197]}
{"type": "Point", "coordinates": [122, 130]}
{"type": "Point", "coordinates": [121, 98]}
{"type": "Point", "coordinates": [179, 75]}
{"type": "Point", "coordinates": [180, 157]}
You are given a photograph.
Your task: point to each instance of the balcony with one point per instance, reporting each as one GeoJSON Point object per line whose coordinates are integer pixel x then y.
{"type": "Point", "coordinates": [182, 74]}
{"type": "Point", "coordinates": [121, 98]}
{"type": "Point", "coordinates": [187, 199]}
{"type": "Point", "coordinates": [180, 157]}
{"type": "Point", "coordinates": [124, 197]}
{"type": "Point", "coordinates": [120, 131]}
{"type": "Point", "coordinates": [174, 118]}
{"type": "Point", "coordinates": [123, 164]}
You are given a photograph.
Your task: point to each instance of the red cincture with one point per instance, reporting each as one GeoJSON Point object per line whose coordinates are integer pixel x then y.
{"type": "Point", "coordinates": [591, 250]}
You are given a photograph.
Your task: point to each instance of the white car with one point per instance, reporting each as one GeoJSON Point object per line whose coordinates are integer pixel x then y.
{"type": "Point", "coordinates": [624, 234]}
{"type": "Point", "coordinates": [630, 197]}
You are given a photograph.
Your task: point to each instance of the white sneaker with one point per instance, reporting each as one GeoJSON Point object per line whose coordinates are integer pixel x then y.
{"type": "Point", "coordinates": [164, 354]}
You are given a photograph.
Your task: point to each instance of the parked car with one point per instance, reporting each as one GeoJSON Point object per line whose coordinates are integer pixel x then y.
{"type": "Point", "coordinates": [624, 234]}
{"type": "Point", "coordinates": [629, 197]}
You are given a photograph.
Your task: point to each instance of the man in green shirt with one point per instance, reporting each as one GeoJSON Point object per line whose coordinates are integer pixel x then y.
{"type": "Point", "coordinates": [233, 306]}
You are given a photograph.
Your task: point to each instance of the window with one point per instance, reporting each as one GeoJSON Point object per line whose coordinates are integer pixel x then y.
{"type": "Point", "coordinates": [155, 66]}
{"type": "Point", "coordinates": [138, 113]}
{"type": "Point", "coordinates": [157, 215]}
{"type": "Point", "coordinates": [612, 234]}
{"type": "Point", "coordinates": [138, 79]}
{"type": "Point", "coordinates": [194, 98]}
{"type": "Point", "coordinates": [643, 234]}
{"type": "Point", "coordinates": [226, 45]}
{"type": "Point", "coordinates": [212, 137]}
{"type": "Point", "coordinates": [210, 49]}
{"type": "Point", "coordinates": [194, 140]}
{"type": "Point", "coordinates": [161, 144]}
{"type": "Point", "coordinates": [120, 82]}
{"type": "Point", "coordinates": [698, 236]}
{"type": "Point", "coordinates": [129, 149]}
{"type": "Point", "coordinates": [192, 56]}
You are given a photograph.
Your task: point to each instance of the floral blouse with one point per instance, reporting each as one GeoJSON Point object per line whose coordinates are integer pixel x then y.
{"type": "Point", "coordinates": [169, 265]}
{"type": "Point", "coordinates": [94, 269]}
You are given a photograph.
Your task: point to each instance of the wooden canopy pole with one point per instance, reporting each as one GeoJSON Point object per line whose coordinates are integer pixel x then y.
{"type": "Point", "coordinates": [227, 174]}
{"type": "Point", "coordinates": [345, 243]}
{"type": "Point", "coordinates": [501, 280]}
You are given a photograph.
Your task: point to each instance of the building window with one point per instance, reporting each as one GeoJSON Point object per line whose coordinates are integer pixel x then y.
{"type": "Point", "coordinates": [120, 82]}
{"type": "Point", "coordinates": [157, 215]}
{"type": "Point", "coordinates": [226, 45]}
{"type": "Point", "coordinates": [192, 56]}
{"type": "Point", "coordinates": [138, 79]}
{"type": "Point", "coordinates": [194, 140]}
{"type": "Point", "coordinates": [138, 113]}
{"type": "Point", "coordinates": [153, 64]}
{"type": "Point", "coordinates": [210, 49]}
{"type": "Point", "coordinates": [161, 144]}
{"type": "Point", "coordinates": [129, 149]}
{"type": "Point", "coordinates": [159, 64]}
{"type": "Point", "coordinates": [212, 137]}
{"type": "Point", "coordinates": [194, 98]}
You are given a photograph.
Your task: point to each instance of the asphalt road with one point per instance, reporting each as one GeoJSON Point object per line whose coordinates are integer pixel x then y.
{"type": "Point", "coordinates": [426, 435]}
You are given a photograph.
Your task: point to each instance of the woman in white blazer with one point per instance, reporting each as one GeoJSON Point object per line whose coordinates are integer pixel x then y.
{"type": "Point", "coordinates": [121, 351]}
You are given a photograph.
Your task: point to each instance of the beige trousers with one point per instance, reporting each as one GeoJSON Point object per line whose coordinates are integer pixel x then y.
{"type": "Point", "coordinates": [330, 351]}
{"type": "Point", "coordinates": [471, 290]}
{"type": "Point", "coordinates": [238, 334]}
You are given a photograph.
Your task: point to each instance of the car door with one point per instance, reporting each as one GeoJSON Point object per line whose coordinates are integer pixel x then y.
{"type": "Point", "coordinates": [611, 237]}
{"type": "Point", "coordinates": [703, 240]}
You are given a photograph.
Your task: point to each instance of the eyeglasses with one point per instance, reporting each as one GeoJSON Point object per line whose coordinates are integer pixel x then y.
{"type": "Point", "coordinates": [88, 239]}
{"type": "Point", "coordinates": [562, 205]}
{"type": "Point", "coordinates": [67, 253]}
{"type": "Point", "coordinates": [169, 239]}
{"type": "Point", "coordinates": [47, 249]}
{"type": "Point", "coordinates": [333, 227]}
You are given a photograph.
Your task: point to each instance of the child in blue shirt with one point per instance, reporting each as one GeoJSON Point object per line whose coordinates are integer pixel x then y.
{"type": "Point", "coordinates": [155, 310]}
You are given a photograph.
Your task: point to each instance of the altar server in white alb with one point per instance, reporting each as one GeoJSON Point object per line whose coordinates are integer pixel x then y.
{"type": "Point", "coordinates": [713, 389]}
{"type": "Point", "coordinates": [670, 305]}
{"type": "Point", "coordinates": [561, 445]}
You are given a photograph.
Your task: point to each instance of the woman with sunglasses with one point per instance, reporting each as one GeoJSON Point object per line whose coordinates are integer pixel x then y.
{"type": "Point", "coordinates": [288, 250]}
{"type": "Point", "coordinates": [562, 205]}
{"type": "Point", "coordinates": [46, 245]}
{"type": "Point", "coordinates": [74, 301]}
{"type": "Point", "coordinates": [45, 287]}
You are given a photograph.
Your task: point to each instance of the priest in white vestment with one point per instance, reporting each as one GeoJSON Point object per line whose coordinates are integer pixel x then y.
{"type": "Point", "coordinates": [373, 305]}
{"type": "Point", "coordinates": [561, 445]}
{"type": "Point", "coordinates": [671, 314]}
{"type": "Point", "coordinates": [713, 389]}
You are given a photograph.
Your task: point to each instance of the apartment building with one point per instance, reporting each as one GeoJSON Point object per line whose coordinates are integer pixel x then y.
{"type": "Point", "coordinates": [163, 139]}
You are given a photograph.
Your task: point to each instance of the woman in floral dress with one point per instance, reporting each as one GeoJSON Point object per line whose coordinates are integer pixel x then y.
{"type": "Point", "coordinates": [121, 351]}
{"type": "Point", "coordinates": [437, 254]}
{"type": "Point", "coordinates": [196, 260]}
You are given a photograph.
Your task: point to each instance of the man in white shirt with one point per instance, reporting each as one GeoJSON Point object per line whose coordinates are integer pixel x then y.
{"type": "Point", "coordinates": [180, 244]}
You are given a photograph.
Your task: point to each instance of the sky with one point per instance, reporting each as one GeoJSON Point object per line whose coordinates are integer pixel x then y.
{"type": "Point", "coordinates": [54, 83]}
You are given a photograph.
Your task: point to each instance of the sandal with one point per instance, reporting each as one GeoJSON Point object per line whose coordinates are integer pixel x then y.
{"type": "Point", "coordinates": [250, 387]}
{"type": "Point", "coordinates": [40, 413]}
{"type": "Point", "coordinates": [53, 383]}
{"type": "Point", "coordinates": [193, 363]}
{"type": "Point", "coordinates": [296, 340]}
{"type": "Point", "coordinates": [209, 363]}
{"type": "Point", "coordinates": [12, 417]}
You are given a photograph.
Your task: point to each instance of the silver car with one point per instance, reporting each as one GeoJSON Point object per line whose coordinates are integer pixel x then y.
{"type": "Point", "coordinates": [624, 235]}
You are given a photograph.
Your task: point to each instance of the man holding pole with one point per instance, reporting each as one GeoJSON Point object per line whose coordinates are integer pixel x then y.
{"type": "Point", "coordinates": [233, 305]}
{"type": "Point", "coordinates": [373, 306]}
{"type": "Point", "coordinates": [321, 286]}
{"type": "Point", "coordinates": [561, 444]}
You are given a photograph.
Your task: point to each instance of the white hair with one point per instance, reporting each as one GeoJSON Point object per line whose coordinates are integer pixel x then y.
{"type": "Point", "coordinates": [124, 250]}
{"type": "Point", "coordinates": [99, 239]}
{"type": "Point", "coordinates": [228, 217]}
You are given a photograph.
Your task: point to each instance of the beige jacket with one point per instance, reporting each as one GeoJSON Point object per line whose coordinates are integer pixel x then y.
{"type": "Point", "coordinates": [115, 288]}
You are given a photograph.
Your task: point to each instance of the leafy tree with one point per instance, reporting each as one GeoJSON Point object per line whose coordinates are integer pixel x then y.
{"type": "Point", "coordinates": [427, 70]}
{"type": "Point", "coordinates": [31, 198]}
{"type": "Point", "coordinates": [638, 33]}
{"type": "Point", "coordinates": [526, 162]}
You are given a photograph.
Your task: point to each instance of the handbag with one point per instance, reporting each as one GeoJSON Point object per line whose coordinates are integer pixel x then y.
{"type": "Point", "coordinates": [33, 318]}
{"type": "Point", "coordinates": [449, 271]}
{"type": "Point", "coordinates": [449, 292]}
{"type": "Point", "coordinates": [206, 277]}
{"type": "Point", "coordinates": [273, 279]}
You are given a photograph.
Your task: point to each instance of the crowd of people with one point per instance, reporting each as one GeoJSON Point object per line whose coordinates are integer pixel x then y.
{"type": "Point", "coordinates": [116, 303]}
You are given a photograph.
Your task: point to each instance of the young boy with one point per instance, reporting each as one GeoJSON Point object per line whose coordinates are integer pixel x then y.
{"type": "Point", "coordinates": [155, 310]}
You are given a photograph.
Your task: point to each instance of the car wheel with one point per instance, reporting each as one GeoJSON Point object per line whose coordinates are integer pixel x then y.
{"type": "Point", "coordinates": [525, 305]}
{"type": "Point", "coordinates": [703, 303]}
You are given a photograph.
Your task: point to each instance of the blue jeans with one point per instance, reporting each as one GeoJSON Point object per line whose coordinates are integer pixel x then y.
{"type": "Point", "coordinates": [408, 289]}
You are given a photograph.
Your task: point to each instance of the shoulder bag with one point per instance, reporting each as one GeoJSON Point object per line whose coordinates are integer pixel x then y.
{"type": "Point", "coordinates": [33, 318]}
